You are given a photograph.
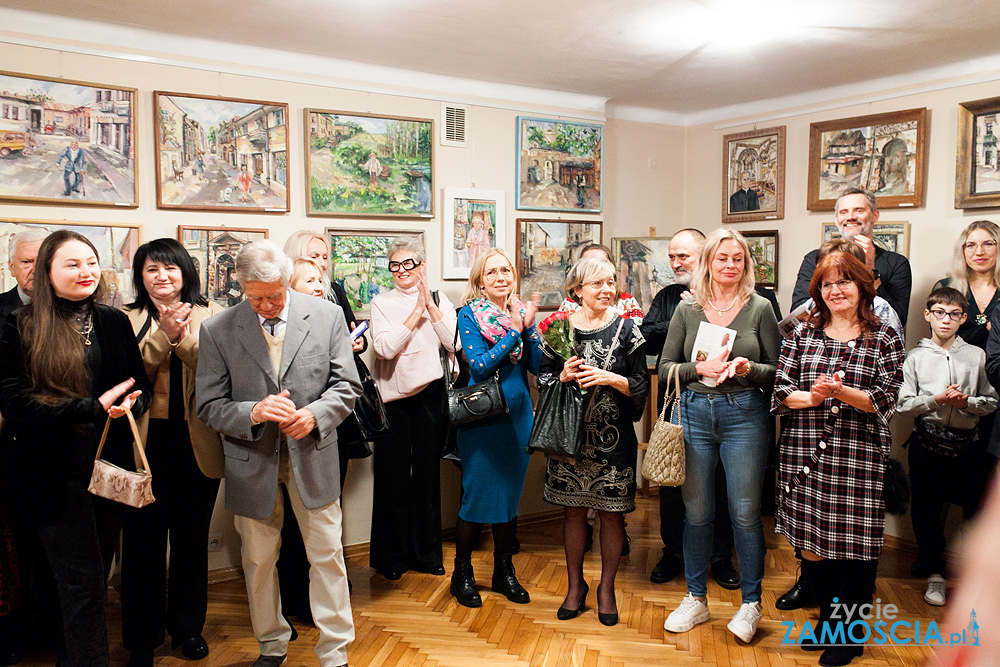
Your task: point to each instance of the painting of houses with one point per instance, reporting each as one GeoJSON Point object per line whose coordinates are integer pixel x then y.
{"type": "Point", "coordinates": [987, 160]}
{"type": "Point", "coordinates": [547, 248]}
{"type": "Point", "coordinates": [559, 165]}
{"type": "Point", "coordinates": [360, 264]}
{"type": "Point", "coordinates": [362, 165]}
{"type": "Point", "coordinates": [222, 154]}
{"type": "Point", "coordinates": [66, 142]}
{"type": "Point", "coordinates": [643, 267]}
{"type": "Point", "coordinates": [214, 251]}
{"type": "Point", "coordinates": [116, 245]}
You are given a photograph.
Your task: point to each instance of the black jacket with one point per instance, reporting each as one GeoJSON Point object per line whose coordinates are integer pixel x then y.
{"type": "Point", "coordinates": [9, 302]}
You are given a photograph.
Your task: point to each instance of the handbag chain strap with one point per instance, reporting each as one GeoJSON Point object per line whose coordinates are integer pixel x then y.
{"type": "Point", "coordinates": [136, 444]}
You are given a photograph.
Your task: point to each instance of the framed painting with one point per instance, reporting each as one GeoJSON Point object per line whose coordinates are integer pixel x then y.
{"type": "Point", "coordinates": [977, 164]}
{"type": "Point", "coordinates": [116, 245]}
{"type": "Point", "coordinates": [753, 180]}
{"type": "Point", "coordinates": [883, 153]}
{"type": "Point", "coordinates": [643, 267]}
{"type": "Point", "coordinates": [894, 236]}
{"type": "Point", "coordinates": [764, 248]}
{"type": "Point", "coordinates": [220, 154]}
{"type": "Point", "coordinates": [474, 220]}
{"type": "Point", "coordinates": [214, 251]}
{"type": "Point", "coordinates": [361, 165]}
{"type": "Point", "coordinates": [66, 142]}
{"type": "Point", "coordinates": [559, 165]}
{"type": "Point", "coordinates": [360, 263]}
{"type": "Point", "coordinates": [546, 250]}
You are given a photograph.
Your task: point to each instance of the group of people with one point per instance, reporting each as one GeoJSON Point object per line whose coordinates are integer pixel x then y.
{"type": "Point", "coordinates": [259, 394]}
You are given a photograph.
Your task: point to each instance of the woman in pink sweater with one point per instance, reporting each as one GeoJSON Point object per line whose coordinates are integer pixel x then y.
{"type": "Point", "coordinates": [408, 330]}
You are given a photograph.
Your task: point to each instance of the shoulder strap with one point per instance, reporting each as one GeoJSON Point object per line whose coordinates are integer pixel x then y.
{"type": "Point", "coordinates": [145, 328]}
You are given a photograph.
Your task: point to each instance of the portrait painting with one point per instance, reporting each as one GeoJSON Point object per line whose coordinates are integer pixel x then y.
{"type": "Point", "coordinates": [360, 263]}
{"type": "Point", "coordinates": [894, 236]}
{"type": "Point", "coordinates": [559, 165]}
{"type": "Point", "coordinates": [643, 267]}
{"type": "Point", "coordinates": [883, 153]}
{"type": "Point", "coordinates": [754, 175]}
{"type": "Point", "coordinates": [220, 154]}
{"type": "Point", "coordinates": [363, 165]}
{"type": "Point", "coordinates": [474, 220]}
{"type": "Point", "coordinates": [116, 245]}
{"type": "Point", "coordinates": [66, 142]}
{"type": "Point", "coordinates": [214, 251]}
{"type": "Point", "coordinates": [764, 248]}
{"type": "Point", "coordinates": [977, 164]}
{"type": "Point", "coordinates": [546, 250]}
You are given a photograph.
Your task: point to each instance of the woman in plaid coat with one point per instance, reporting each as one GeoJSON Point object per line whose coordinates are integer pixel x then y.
{"type": "Point", "coordinates": [837, 381]}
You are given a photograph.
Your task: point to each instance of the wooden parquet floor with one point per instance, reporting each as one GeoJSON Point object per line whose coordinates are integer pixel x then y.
{"type": "Point", "coordinates": [414, 622]}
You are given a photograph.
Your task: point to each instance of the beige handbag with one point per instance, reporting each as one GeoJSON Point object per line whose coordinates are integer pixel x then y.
{"type": "Point", "coordinates": [664, 459]}
{"type": "Point", "coordinates": [123, 486]}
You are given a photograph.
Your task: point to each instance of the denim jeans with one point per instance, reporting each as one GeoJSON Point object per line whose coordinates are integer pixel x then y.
{"type": "Point", "coordinates": [733, 427]}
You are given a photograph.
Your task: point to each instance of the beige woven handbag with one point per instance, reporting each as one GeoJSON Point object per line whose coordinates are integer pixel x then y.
{"type": "Point", "coordinates": [664, 459]}
{"type": "Point", "coordinates": [123, 486]}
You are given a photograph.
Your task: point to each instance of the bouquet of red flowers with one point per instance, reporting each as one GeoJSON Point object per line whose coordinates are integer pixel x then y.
{"type": "Point", "coordinates": [557, 332]}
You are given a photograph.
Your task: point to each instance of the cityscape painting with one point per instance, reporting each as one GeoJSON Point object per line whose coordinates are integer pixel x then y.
{"type": "Point", "coordinates": [643, 267]}
{"type": "Point", "coordinates": [374, 166]}
{"type": "Point", "coordinates": [214, 251]}
{"type": "Point", "coordinates": [220, 154]}
{"type": "Point", "coordinates": [66, 142]}
{"type": "Point", "coordinates": [559, 165]}
{"type": "Point", "coordinates": [360, 263]}
{"type": "Point", "coordinates": [546, 250]}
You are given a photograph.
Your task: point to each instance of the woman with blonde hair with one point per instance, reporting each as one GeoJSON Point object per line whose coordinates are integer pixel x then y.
{"type": "Point", "coordinates": [498, 338]}
{"type": "Point", "coordinates": [307, 277]}
{"type": "Point", "coordinates": [725, 416]}
{"type": "Point", "coordinates": [976, 274]}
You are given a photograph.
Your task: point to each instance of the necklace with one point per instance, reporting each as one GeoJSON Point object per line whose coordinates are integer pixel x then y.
{"type": "Point", "coordinates": [86, 329]}
{"type": "Point", "coordinates": [722, 310]}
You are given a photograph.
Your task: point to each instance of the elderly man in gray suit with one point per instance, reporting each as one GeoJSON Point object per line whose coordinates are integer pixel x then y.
{"type": "Point", "coordinates": [276, 378]}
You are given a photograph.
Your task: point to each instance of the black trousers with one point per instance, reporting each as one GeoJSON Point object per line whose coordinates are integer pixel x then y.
{"type": "Point", "coordinates": [181, 514]}
{"type": "Point", "coordinates": [406, 507]}
{"type": "Point", "coordinates": [936, 480]}
{"type": "Point", "coordinates": [672, 520]}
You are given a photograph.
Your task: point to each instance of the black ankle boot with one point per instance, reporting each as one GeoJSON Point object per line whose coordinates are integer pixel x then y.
{"type": "Point", "coordinates": [822, 591]}
{"type": "Point", "coordinates": [463, 584]}
{"type": "Point", "coordinates": [504, 581]}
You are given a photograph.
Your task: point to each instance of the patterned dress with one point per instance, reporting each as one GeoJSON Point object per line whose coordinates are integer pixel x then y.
{"type": "Point", "coordinates": [832, 457]}
{"type": "Point", "coordinates": [603, 475]}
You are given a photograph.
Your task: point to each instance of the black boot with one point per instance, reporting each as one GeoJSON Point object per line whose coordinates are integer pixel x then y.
{"type": "Point", "coordinates": [819, 579]}
{"type": "Point", "coordinates": [798, 596]}
{"type": "Point", "coordinates": [856, 580]}
{"type": "Point", "coordinates": [504, 581]}
{"type": "Point", "coordinates": [463, 584]}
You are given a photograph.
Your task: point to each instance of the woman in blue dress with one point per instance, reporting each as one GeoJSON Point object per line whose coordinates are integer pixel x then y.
{"type": "Point", "coordinates": [498, 336]}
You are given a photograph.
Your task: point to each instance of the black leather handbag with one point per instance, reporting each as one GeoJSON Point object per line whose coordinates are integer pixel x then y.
{"type": "Point", "coordinates": [475, 404]}
{"type": "Point", "coordinates": [368, 420]}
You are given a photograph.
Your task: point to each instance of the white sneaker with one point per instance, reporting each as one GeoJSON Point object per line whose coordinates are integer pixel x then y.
{"type": "Point", "coordinates": [690, 613]}
{"type": "Point", "coordinates": [744, 623]}
{"type": "Point", "coordinates": [936, 586]}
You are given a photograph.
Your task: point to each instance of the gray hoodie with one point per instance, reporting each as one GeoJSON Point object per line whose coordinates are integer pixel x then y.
{"type": "Point", "coordinates": [929, 368]}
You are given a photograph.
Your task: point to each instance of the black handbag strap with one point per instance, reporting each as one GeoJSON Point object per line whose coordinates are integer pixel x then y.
{"type": "Point", "coordinates": [145, 328]}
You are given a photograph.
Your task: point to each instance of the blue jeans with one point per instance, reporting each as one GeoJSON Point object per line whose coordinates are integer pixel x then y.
{"type": "Point", "coordinates": [733, 427]}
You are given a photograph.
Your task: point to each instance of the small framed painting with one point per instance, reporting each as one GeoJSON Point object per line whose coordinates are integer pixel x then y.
{"type": "Point", "coordinates": [360, 263]}
{"type": "Point", "coordinates": [214, 251]}
{"type": "Point", "coordinates": [977, 165]}
{"type": "Point", "coordinates": [753, 180]}
{"type": "Point", "coordinates": [116, 245]}
{"type": "Point", "coordinates": [546, 250]}
{"type": "Point", "coordinates": [474, 222]}
{"type": "Point", "coordinates": [894, 236]}
{"type": "Point", "coordinates": [559, 165]}
{"type": "Point", "coordinates": [220, 154]}
{"type": "Point", "coordinates": [764, 248]}
{"type": "Point", "coordinates": [643, 267]}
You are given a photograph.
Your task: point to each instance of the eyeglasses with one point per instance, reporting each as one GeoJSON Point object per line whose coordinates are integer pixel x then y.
{"type": "Point", "coordinates": [987, 246]}
{"type": "Point", "coordinates": [841, 285]}
{"type": "Point", "coordinates": [405, 265]}
{"type": "Point", "coordinates": [953, 316]}
{"type": "Point", "coordinates": [505, 271]}
{"type": "Point", "coordinates": [599, 284]}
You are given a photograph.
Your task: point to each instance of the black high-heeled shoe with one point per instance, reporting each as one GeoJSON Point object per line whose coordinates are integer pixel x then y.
{"type": "Point", "coordinates": [564, 614]}
{"type": "Point", "coordinates": [605, 619]}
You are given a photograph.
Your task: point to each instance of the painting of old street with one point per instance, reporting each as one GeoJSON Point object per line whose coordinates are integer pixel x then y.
{"type": "Point", "coordinates": [559, 165]}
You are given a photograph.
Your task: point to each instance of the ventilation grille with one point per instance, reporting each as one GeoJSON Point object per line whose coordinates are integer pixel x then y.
{"type": "Point", "coordinates": [453, 121]}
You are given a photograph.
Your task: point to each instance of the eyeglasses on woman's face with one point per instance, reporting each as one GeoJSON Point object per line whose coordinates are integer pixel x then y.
{"type": "Point", "coordinates": [841, 285]}
{"type": "Point", "coordinates": [987, 246]}
{"type": "Point", "coordinates": [601, 284]}
{"type": "Point", "coordinates": [494, 274]}
{"type": "Point", "coordinates": [405, 265]}
{"type": "Point", "coordinates": [953, 315]}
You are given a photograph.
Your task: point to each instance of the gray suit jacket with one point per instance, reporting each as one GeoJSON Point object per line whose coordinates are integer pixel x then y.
{"type": "Point", "coordinates": [235, 371]}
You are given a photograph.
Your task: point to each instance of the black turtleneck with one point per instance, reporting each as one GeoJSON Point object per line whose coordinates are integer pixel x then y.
{"type": "Point", "coordinates": [81, 316]}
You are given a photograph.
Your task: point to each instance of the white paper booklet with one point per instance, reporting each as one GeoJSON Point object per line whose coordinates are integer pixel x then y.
{"type": "Point", "coordinates": [711, 341]}
{"type": "Point", "coordinates": [788, 326]}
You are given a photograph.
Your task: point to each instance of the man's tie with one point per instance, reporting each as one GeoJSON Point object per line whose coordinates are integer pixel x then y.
{"type": "Point", "coordinates": [272, 322]}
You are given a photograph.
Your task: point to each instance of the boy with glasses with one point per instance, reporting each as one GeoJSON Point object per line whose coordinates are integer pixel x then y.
{"type": "Point", "coordinates": [946, 390]}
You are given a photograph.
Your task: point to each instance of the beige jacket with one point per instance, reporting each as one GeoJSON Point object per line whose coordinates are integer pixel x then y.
{"type": "Point", "coordinates": [156, 349]}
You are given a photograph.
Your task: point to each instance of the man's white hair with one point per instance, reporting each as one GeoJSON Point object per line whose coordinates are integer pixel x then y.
{"type": "Point", "coordinates": [263, 261]}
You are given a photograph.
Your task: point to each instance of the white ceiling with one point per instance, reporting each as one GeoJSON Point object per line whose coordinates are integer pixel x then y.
{"type": "Point", "coordinates": [679, 56]}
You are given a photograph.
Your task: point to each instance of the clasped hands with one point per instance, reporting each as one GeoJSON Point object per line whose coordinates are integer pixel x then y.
{"type": "Point", "coordinates": [952, 396]}
{"type": "Point", "coordinates": [722, 370]}
{"type": "Point", "coordinates": [574, 370]}
{"type": "Point", "coordinates": [174, 320]}
{"type": "Point", "coordinates": [826, 386]}
{"type": "Point", "coordinates": [294, 423]}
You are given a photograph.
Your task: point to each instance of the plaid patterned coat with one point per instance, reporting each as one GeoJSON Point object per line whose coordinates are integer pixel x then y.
{"type": "Point", "coordinates": [832, 457]}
